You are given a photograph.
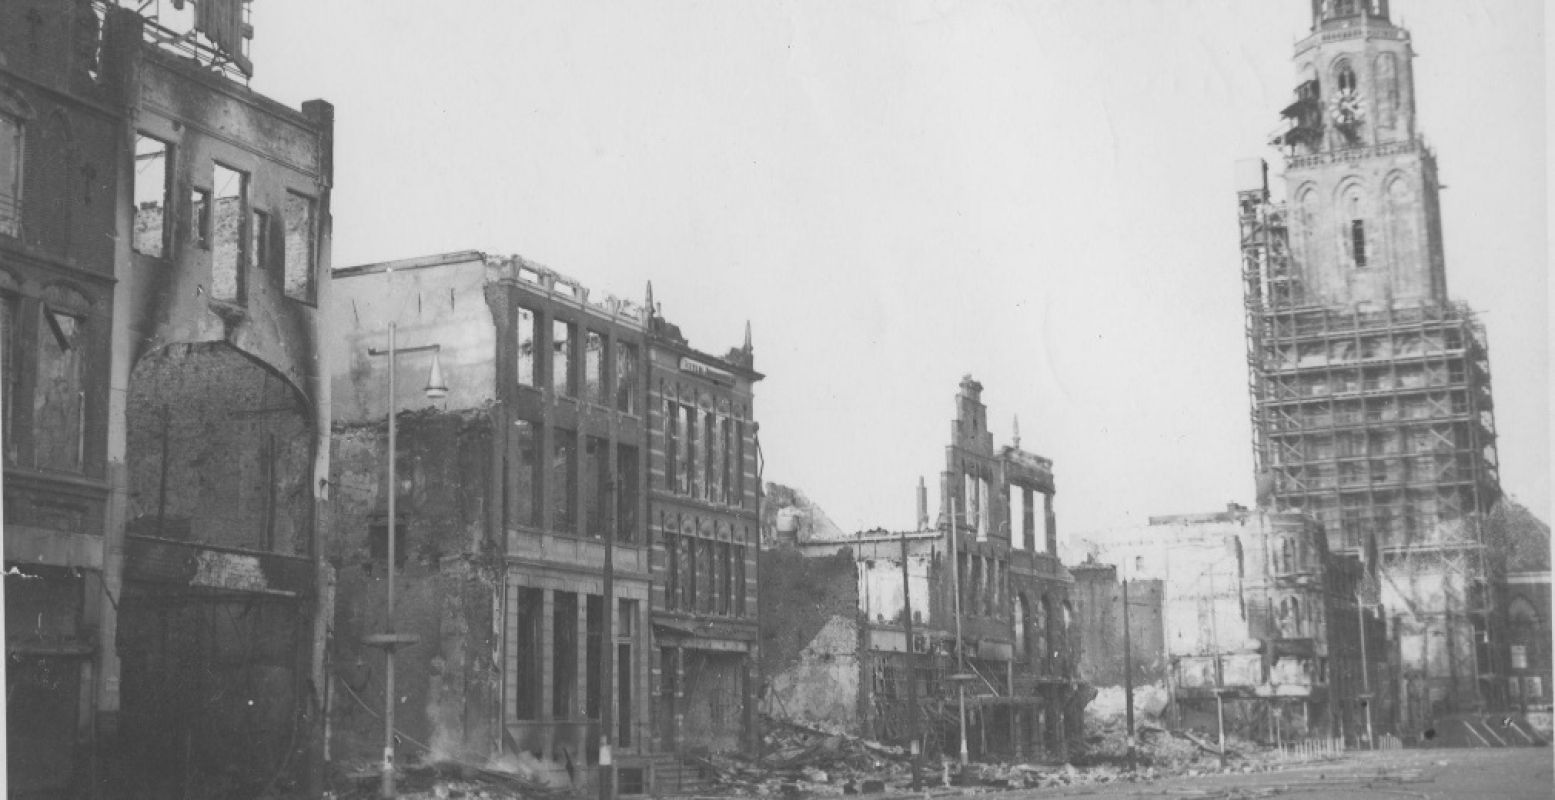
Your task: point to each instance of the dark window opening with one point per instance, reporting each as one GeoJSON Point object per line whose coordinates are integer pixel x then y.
{"type": "Point", "coordinates": [527, 677]}
{"type": "Point", "coordinates": [594, 651]}
{"type": "Point", "coordinates": [564, 654]}
{"type": "Point", "coordinates": [627, 489]}
{"type": "Point", "coordinates": [596, 484]}
{"type": "Point", "coordinates": [689, 453]}
{"type": "Point", "coordinates": [672, 581]}
{"type": "Point", "coordinates": [739, 580]}
{"type": "Point", "coordinates": [709, 455]}
{"type": "Point", "coordinates": [152, 190]}
{"type": "Point", "coordinates": [626, 671]}
{"type": "Point", "coordinates": [693, 557]}
{"type": "Point", "coordinates": [378, 543]}
{"type": "Point", "coordinates": [739, 463]}
{"type": "Point", "coordinates": [564, 481]}
{"type": "Point", "coordinates": [671, 444]}
{"type": "Point", "coordinates": [1358, 241]}
{"type": "Point", "coordinates": [726, 461]}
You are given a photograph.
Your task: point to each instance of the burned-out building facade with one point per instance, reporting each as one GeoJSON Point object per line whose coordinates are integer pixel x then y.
{"type": "Point", "coordinates": [1253, 613]}
{"type": "Point", "coordinates": [532, 564]}
{"type": "Point", "coordinates": [170, 446]}
{"type": "Point", "coordinates": [518, 490]}
{"type": "Point", "coordinates": [990, 602]}
{"type": "Point", "coordinates": [704, 528]}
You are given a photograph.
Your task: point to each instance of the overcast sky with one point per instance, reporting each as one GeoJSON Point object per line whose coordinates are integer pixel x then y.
{"type": "Point", "coordinates": [899, 193]}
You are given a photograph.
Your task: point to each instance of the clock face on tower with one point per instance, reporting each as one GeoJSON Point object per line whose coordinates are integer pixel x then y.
{"type": "Point", "coordinates": [1346, 109]}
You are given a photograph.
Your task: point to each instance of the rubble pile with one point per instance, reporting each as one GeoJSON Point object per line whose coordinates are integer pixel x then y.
{"type": "Point", "coordinates": [797, 759]}
{"type": "Point", "coordinates": [453, 780]}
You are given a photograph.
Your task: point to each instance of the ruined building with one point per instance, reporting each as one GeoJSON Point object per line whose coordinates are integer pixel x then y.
{"type": "Point", "coordinates": [703, 501]}
{"type": "Point", "coordinates": [1370, 388]}
{"type": "Point", "coordinates": [164, 241]}
{"type": "Point", "coordinates": [570, 543]}
{"type": "Point", "coordinates": [1250, 607]}
{"type": "Point", "coordinates": [989, 600]}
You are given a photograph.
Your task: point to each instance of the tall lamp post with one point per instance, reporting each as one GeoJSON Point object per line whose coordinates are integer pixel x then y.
{"type": "Point", "coordinates": [390, 640]}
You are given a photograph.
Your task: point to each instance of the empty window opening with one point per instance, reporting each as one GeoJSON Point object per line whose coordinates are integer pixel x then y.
{"type": "Point", "coordinates": [200, 218]}
{"type": "Point", "coordinates": [626, 493]}
{"type": "Point", "coordinates": [299, 215]}
{"type": "Point", "coordinates": [596, 482]}
{"type": "Point", "coordinates": [564, 655]}
{"type": "Point", "coordinates": [526, 478]}
{"type": "Point", "coordinates": [561, 358]}
{"type": "Point", "coordinates": [151, 196]}
{"type": "Point", "coordinates": [527, 337]}
{"type": "Point", "coordinates": [1358, 241]}
{"type": "Point", "coordinates": [10, 174]}
{"type": "Point", "coordinates": [227, 255]}
{"type": "Point", "coordinates": [59, 404]}
{"type": "Point", "coordinates": [594, 628]}
{"type": "Point", "coordinates": [9, 305]}
{"type": "Point", "coordinates": [527, 678]}
{"type": "Point", "coordinates": [594, 368]}
{"type": "Point", "coordinates": [259, 239]}
{"type": "Point", "coordinates": [626, 377]}
{"type": "Point", "coordinates": [563, 481]}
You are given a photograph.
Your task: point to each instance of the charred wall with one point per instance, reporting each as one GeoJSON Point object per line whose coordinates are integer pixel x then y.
{"type": "Point", "coordinates": [446, 583]}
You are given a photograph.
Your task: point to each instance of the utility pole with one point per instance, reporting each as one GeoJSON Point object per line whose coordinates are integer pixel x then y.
{"type": "Point", "coordinates": [390, 639]}
{"type": "Point", "coordinates": [1128, 678]}
{"type": "Point", "coordinates": [1360, 619]}
{"type": "Point", "coordinates": [915, 748]}
{"type": "Point", "coordinates": [1220, 678]}
{"type": "Point", "coordinates": [955, 573]}
{"type": "Point", "coordinates": [607, 658]}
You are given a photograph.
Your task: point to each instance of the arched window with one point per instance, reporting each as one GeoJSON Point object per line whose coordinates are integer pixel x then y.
{"type": "Point", "coordinates": [1344, 76]}
{"type": "Point", "coordinates": [1353, 239]}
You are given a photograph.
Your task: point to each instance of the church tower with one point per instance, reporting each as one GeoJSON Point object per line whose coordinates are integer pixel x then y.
{"type": "Point", "coordinates": [1371, 406]}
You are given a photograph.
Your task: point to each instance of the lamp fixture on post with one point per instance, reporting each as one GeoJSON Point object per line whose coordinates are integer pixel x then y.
{"type": "Point", "coordinates": [390, 640]}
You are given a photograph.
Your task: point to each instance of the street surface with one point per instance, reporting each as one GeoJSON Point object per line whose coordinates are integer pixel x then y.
{"type": "Point", "coordinates": [1522, 773]}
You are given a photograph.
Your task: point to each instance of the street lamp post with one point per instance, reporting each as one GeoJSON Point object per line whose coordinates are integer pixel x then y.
{"type": "Point", "coordinates": [389, 640]}
{"type": "Point", "coordinates": [1128, 677]}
